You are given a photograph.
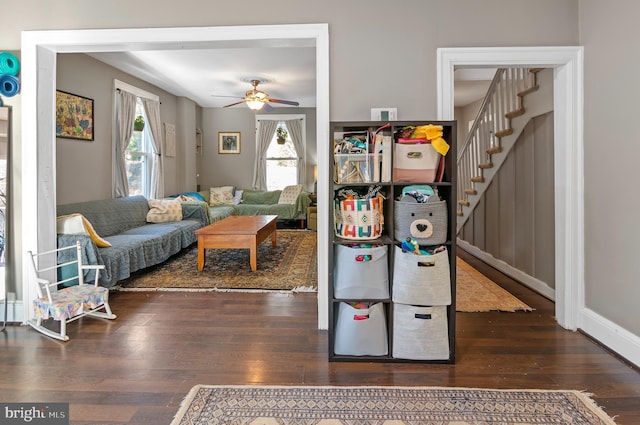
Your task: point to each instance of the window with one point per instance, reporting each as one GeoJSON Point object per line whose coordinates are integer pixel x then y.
{"type": "Point", "coordinates": [138, 158]}
{"type": "Point", "coordinates": [282, 160]}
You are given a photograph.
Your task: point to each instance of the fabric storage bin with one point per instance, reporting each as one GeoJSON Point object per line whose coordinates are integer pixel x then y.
{"type": "Point", "coordinates": [415, 162]}
{"type": "Point", "coordinates": [361, 331]}
{"type": "Point", "coordinates": [426, 222]}
{"type": "Point", "coordinates": [420, 333]}
{"type": "Point", "coordinates": [360, 219]}
{"type": "Point", "coordinates": [421, 279]}
{"type": "Point", "coordinates": [361, 273]}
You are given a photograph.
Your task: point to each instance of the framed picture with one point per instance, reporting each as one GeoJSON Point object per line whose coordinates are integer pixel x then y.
{"type": "Point", "coordinates": [228, 142]}
{"type": "Point", "coordinates": [74, 116]}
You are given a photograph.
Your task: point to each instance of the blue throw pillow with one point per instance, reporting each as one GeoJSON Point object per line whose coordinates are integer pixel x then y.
{"type": "Point", "coordinates": [195, 195]}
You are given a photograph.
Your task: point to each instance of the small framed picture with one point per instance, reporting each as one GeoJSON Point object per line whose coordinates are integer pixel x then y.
{"type": "Point", "coordinates": [74, 116]}
{"type": "Point", "coordinates": [228, 142]}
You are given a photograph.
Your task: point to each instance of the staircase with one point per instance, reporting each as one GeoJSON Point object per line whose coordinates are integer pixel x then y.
{"type": "Point", "coordinates": [493, 133]}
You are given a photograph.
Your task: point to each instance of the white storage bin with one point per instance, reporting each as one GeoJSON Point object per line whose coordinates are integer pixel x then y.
{"type": "Point", "coordinates": [426, 222]}
{"type": "Point", "coordinates": [415, 162]}
{"type": "Point", "coordinates": [361, 273]}
{"type": "Point", "coordinates": [361, 332]}
{"type": "Point", "coordinates": [420, 333]}
{"type": "Point", "coordinates": [421, 279]}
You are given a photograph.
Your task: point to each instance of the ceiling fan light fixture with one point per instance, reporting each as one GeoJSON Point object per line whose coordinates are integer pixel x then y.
{"type": "Point", "coordinates": [255, 104]}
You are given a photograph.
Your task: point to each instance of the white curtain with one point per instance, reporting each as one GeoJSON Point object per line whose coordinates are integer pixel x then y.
{"type": "Point", "coordinates": [295, 131]}
{"type": "Point", "coordinates": [125, 114]}
{"type": "Point", "coordinates": [152, 111]}
{"type": "Point", "coordinates": [266, 130]}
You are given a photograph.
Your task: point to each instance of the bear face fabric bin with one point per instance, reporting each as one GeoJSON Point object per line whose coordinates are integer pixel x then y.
{"type": "Point", "coordinates": [420, 333]}
{"type": "Point", "coordinates": [421, 279]}
{"type": "Point", "coordinates": [361, 330]}
{"type": "Point", "coordinates": [361, 272]}
{"type": "Point", "coordinates": [427, 222]}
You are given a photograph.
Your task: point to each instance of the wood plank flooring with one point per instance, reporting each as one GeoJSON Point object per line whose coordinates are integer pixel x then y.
{"type": "Point", "coordinates": [138, 368]}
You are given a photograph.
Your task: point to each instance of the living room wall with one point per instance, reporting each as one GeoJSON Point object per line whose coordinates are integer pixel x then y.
{"type": "Point", "coordinates": [237, 170]}
{"type": "Point", "coordinates": [82, 75]}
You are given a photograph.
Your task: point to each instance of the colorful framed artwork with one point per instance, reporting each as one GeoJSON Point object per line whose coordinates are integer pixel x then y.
{"type": "Point", "coordinates": [74, 116]}
{"type": "Point", "coordinates": [228, 142]}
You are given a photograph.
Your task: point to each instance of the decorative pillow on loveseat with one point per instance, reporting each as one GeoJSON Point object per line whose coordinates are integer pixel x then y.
{"type": "Point", "coordinates": [77, 224]}
{"type": "Point", "coordinates": [290, 194]}
{"type": "Point", "coordinates": [221, 195]}
{"type": "Point", "coordinates": [163, 210]}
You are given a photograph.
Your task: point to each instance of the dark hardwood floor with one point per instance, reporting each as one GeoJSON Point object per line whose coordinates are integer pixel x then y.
{"type": "Point", "coordinates": [138, 368]}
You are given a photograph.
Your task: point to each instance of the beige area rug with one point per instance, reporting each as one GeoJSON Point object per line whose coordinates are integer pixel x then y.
{"type": "Point", "coordinates": [211, 405]}
{"type": "Point", "coordinates": [477, 293]}
{"type": "Point", "coordinates": [291, 265]}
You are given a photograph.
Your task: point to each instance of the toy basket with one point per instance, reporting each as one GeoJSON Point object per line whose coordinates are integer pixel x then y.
{"type": "Point", "coordinates": [361, 273]}
{"type": "Point", "coordinates": [360, 219]}
{"type": "Point", "coordinates": [421, 279]}
{"type": "Point", "coordinates": [415, 160]}
{"type": "Point", "coordinates": [426, 222]}
{"type": "Point", "coordinates": [361, 331]}
{"type": "Point", "coordinates": [420, 333]}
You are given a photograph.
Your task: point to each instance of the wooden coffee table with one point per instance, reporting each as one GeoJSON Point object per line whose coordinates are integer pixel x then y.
{"type": "Point", "coordinates": [237, 231]}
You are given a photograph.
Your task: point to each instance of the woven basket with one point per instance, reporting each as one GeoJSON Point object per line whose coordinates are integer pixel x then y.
{"type": "Point", "coordinates": [359, 219]}
{"type": "Point", "coordinates": [421, 279]}
{"type": "Point", "coordinates": [426, 222]}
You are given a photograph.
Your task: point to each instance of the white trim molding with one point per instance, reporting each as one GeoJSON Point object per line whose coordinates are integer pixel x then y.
{"type": "Point", "coordinates": [611, 335]}
{"type": "Point", "coordinates": [567, 63]}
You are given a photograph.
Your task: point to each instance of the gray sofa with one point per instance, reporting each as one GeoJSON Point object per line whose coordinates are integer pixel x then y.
{"type": "Point", "coordinates": [136, 244]}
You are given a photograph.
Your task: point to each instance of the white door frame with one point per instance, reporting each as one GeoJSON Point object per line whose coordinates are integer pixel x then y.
{"type": "Point", "coordinates": [38, 57]}
{"type": "Point", "coordinates": [567, 63]}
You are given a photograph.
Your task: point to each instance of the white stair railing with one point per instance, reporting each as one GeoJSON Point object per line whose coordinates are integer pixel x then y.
{"type": "Point", "coordinates": [502, 103]}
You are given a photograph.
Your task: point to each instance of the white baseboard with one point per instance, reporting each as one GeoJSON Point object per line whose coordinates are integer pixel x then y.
{"type": "Point", "coordinates": [611, 335]}
{"type": "Point", "coordinates": [529, 281]}
{"type": "Point", "coordinates": [15, 311]}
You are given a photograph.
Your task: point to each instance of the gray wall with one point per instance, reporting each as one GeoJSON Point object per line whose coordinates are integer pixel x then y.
{"type": "Point", "coordinates": [514, 221]}
{"type": "Point", "coordinates": [393, 63]}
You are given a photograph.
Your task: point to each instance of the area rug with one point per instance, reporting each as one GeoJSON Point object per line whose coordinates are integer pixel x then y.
{"type": "Point", "coordinates": [211, 405]}
{"type": "Point", "coordinates": [477, 293]}
{"type": "Point", "coordinates": [291, 265]}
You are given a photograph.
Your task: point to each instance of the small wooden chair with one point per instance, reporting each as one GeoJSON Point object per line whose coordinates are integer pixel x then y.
{"type": "Point", "coordinates": [66, 304]}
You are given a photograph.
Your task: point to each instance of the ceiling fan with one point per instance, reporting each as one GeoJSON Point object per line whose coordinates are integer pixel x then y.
{"type": "Point", "coordinates": [257, 99]}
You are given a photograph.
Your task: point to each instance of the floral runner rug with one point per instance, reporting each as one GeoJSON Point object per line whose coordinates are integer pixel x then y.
{"type": "Point", "coordinates": [267, 405]}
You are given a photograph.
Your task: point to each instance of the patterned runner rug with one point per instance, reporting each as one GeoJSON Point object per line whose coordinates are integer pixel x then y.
{"type": "Point", "coordinates": [210, 404]}
{"type": "Point", "coordinates": [291, 265]}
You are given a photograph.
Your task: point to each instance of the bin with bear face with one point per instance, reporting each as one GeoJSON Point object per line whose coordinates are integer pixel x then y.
{"type": "Point", "coordinates": [426, 222]}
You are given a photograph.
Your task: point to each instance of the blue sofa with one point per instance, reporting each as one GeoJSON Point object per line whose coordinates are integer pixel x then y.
{"type": "Point", "coordinates": [136, 244]}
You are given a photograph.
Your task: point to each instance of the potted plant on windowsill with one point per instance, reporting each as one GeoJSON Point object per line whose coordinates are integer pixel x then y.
{"type": "Point", "coordinates": [281, 135]}
{"type": "Point", "coordinates": [138, 124]}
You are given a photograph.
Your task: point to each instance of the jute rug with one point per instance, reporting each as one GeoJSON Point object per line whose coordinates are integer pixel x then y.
{"type": "Point", "coordinates": [211, 405]}
{"type": "Point", "coordinates": [475, 292]}
{"type": "Point", "coordinates": [291, 265]}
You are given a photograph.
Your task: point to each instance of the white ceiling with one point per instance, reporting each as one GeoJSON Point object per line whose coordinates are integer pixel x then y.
{"type": "Point", "coordinates": [225, 69]}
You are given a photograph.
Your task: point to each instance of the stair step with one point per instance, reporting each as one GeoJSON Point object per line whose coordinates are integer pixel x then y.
{"type": "Point", "coordinates": [511, 115]}
{"type": "Point", "coordinates": [477, 179]}
{"type": "Point", "coordinates": [459, 213]}
{"type": "Point", "coordinates": [464, 202]}
{"type": "Point", "coordinates": [471, 191]}
{"type": "Point", "coordinates": [504, 133]}
{"type": "Point", "coordinates": [528, 91]}
{"type": "Point", "coordinates": [535, 70]}
{"type": "Point", "coordinates": [494, 150]}
{"type": "Point", "coordinates": [485, 165]}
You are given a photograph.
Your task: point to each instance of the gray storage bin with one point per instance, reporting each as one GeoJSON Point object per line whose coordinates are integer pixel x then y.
{"type": "Point", "coordinates": [426, 222]}
{"type": "Point", "coordinates": [367, 337]}
{"type": "Point", "coordinates": [421, 279]}
{"type": "Point", "coordinates": [420, 333]}
{"type": "Point", "coordinates": [361, 273]}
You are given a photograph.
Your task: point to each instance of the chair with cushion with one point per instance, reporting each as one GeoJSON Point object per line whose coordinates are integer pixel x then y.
{"type": "Point", "coordinates": [62, 293]}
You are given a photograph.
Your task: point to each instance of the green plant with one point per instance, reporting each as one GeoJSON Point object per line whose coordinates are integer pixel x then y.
{"type": "Point", "coordinates": [138, 124]}
{"type": "Point", "coordinates": [281, 135]}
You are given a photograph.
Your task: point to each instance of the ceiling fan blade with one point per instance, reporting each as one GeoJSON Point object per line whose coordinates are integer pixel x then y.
{"type": "Point", "coordinates": [286, 102]}
{"type": "Point", "coordinates": [222, 95]}
{"type": "Point", "coordinates": [267, 108]}
{"type": "Point", "coordinates": [234, 104]}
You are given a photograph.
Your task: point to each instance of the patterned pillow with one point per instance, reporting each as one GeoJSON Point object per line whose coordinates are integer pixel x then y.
{"type": "Point", "coordinates": [290, 194]}
{"type": "Point", "coordinates": [163, 210]}
{"type": "Point", "coordinates": [221, 195]}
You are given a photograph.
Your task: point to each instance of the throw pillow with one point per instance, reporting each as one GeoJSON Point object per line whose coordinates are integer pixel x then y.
{"type": "Point", "coordinates": [290, 194]}
{"type": "Point", "coordinates": [77, 224]}
{"type": "Point", "coordinates": [163, 210]}
{"type": "Point", "coordinates": [195, 195]}
{"type": "Point", "coordinates": [221, 195]}
{"type": "Point", "coordinates": [237, 198]}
